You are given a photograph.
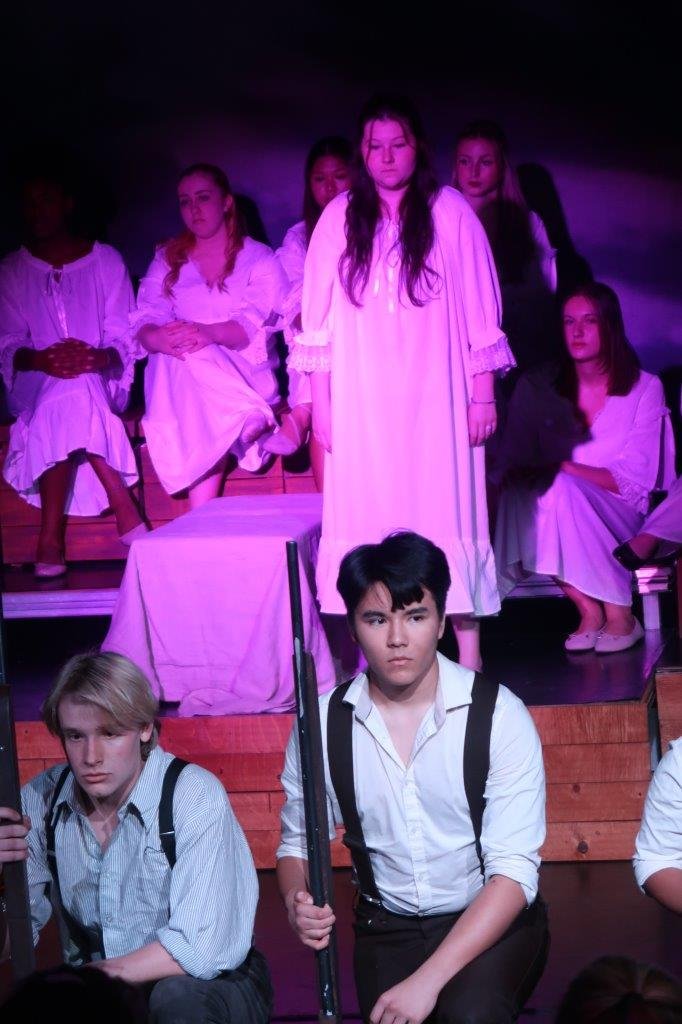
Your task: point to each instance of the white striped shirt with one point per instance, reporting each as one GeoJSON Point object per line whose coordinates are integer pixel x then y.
{"type": "Point", "coordinates": [202, 911]}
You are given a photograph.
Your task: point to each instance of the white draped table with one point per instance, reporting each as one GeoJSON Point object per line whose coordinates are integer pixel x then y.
{"type": "Point", "coordinates": [204, 610]}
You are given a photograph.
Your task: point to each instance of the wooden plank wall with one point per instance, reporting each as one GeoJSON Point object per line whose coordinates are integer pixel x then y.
{"type": "Point", "coordinates": [596, 758]}
{"type": "Point", "coordinates": [96, 538]}
{"type": "Point", "coordinates": [669, 699]}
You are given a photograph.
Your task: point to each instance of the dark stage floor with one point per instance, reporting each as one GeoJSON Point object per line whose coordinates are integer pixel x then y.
{"type": "Point", "coordinates": [594, 909]}
{"type": "Point", "coordinates": [522, 647]}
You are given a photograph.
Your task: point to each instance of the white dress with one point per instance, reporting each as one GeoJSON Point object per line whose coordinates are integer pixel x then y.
{"type": "Point", "coordinates": [401, 378]}
{"type": "Point", "coordinates": [291, 255]}
{"type": "Point", "coordinates": [195, 409]}
{"type": "Point", "coordinates": [89, 299]}
{"type": "Point", "coordinates": [568, 527]}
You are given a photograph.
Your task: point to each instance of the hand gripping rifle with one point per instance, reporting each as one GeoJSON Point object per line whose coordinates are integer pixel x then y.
{"type": "Point", "coordinates": [314, 793]}
{"type": "Point", "coordinates": [17, 906]}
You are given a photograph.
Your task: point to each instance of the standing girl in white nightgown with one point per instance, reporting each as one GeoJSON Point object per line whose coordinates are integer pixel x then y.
{"type": "Point", "coordinates": [326, 173]}
{"type": "Point", "coordinates": [401, 336]}
{"type": "Point", "coordinates": [207, 309]}
{"type": "Point", "coordinates": [584, 448]}
{"type": "Point", "coordinates": [68, 365]}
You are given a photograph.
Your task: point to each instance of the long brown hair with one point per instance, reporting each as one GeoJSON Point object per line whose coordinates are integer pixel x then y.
{"type": "Point", "coordinates": [177, 250]}
{"type": "Point", "coordinates": [618, 359]}
{"type": "Point", "coordinates": [417, 232]}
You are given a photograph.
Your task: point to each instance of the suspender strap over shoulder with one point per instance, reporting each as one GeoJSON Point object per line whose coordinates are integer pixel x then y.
{"type": "Point", "coordinates": [79, 935]}
{"type": "Point", "coordinates": [476, 761]}
{"type": "Point", "coordinates": [166, 836]}
{"type": "Point", "coordinates": [340, 757]}
{"type": "Point", "coordinates": [166, 827]}
{"type": "Point", "coordinates": [475, 768]}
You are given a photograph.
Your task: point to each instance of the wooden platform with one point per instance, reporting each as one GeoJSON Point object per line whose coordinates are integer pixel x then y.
{"type": "Point", "coordinates": [95, 538]}
{"type": "Point", "coordinates": [597, 756]}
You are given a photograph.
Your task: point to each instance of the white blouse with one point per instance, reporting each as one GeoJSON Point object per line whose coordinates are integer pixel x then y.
{"type": "Point", "coordinates": [252, 296]}
{"type": "Point", "coordinates": [89, 299]}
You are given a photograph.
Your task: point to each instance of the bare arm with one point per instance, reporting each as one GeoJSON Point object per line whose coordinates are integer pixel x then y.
{"type": "Point", "coordinates": [482, 411]}
{"type": "Point", "coordinates": [666, 887]}
{"type": "Point", "coordinates": [484, 921]}
{"type": "Point", "coordinates": [149, 963]}
{"type": "Point", "coordinates": [322, 417]}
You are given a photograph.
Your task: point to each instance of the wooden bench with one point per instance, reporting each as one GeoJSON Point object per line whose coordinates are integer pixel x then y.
{"type": "Point", "coordinates": [95, 538]}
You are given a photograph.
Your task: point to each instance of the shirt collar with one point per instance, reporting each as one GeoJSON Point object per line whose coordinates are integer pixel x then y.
{"type": "Point", "coordinates": [454, 690]}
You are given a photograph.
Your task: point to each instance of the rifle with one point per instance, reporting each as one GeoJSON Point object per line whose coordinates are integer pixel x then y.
{"type": "Point", "coordinates": [314, 794]}
{"type": "Point", "coordinates": [18, 908]}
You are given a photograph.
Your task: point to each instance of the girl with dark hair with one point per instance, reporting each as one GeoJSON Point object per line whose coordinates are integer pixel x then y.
{"type": "Point", "coordinates": [401, 339]}
{"type": "Point", "coordinates": [68, 363]}
{"type": "Point", "coordinates": [525, 260]}
{"type": "Point", "coordinates": [583, 449]}
{"type": "Point", "coordinates": [326, 173]}
{"type": "Point", "coordinates": [206, 311]}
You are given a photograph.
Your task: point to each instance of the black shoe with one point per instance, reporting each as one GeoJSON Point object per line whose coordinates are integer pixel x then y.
{"type": "Point", "coordinates": [669, 554]}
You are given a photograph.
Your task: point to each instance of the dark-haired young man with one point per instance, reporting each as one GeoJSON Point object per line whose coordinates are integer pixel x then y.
{"type": "Point", "coordinates": [437, 776]}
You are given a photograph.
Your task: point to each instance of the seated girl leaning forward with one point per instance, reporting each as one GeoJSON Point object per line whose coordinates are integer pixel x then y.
{"type": "Point", "coordinates": [585, 445]}
{"type": "Point", "coordinates": [67, 362]}
{"type": "Point", "coordinates": [206, 312]}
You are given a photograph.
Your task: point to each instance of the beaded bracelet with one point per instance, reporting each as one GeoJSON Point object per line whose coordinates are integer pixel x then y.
{"type": "Point", "coordinates": [477, 401]}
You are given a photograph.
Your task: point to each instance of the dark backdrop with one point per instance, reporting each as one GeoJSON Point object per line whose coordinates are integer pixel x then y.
{"type": "Point", "coordinates": [587, 93]}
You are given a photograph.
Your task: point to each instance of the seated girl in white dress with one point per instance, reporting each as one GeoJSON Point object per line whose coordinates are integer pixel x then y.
{"type": "Point", "coordinates": [206, 312]}
{"type": "Point", "coordinates": [584, 447]}
{"type": "Point", "coordinates": [327, 172]}
{"type": "Point", "coordinates": [68, 364]}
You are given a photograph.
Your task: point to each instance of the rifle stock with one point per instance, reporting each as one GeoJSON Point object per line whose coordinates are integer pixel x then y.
{"type": "Point", "coordinates": [18, 910]}
{"type": "Point", "coordinates": [314, 793]}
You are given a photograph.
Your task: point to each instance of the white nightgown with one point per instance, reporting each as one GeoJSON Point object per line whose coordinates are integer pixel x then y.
{"type": "Point", "coordinates": [195, 409]}
{"type": "Point", "coordinates": [89, 299]}
{"type": "Point", "coordinates": [401, 379]}
{"type": "Point", "coordinates": [568, 527]}
{"type": "Point", "coordinates": [291, 255]}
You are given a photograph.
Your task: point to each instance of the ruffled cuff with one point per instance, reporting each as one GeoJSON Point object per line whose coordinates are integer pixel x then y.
{"type": "Point", "coordinates": [148, 315]}
{"type": "Point", "coordinates": [291, 307]}
{"type": "Point", "coordinates": [9, 349]}
{"type": "Point", "coordinates": [309, 358]}
{"type": "Point", "coordinates": [497, 358]}
{"type": "Point", "coordinates": [631, 492]}
{"type": "Point", "coordinates": [130, 350]}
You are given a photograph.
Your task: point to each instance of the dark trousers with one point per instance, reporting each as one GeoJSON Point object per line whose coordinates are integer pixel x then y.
{"type": "Point", "coordinates": [243, 996]}
{"type": "Point", "coordinates": [492, 989]}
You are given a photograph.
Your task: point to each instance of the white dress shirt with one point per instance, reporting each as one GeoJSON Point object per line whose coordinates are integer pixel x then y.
{"type": "Point", "coordinates": [659, 841]}
{"type": "Point", "coordinates": [202, 912]}
{"type": "Point", "coordinates": [415, 817]}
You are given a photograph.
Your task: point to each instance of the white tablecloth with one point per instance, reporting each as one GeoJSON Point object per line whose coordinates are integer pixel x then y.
{"type": "Point", "coordinates": [204, 609]}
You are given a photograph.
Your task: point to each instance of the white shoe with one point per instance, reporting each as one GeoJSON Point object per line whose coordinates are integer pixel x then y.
{"type": "Point", "coordinates": [608, 643]}
{"type": "Point", "coordinates": [584, 641]}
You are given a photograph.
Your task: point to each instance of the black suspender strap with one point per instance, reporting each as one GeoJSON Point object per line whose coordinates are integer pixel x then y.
{"type": "Point", "coordinates": [475, 767]}
{"type": "Point", "coordinates": [166, 826]}
{"type": "Point", "coordinates": [340, 758]}
{"type": "Point", "coordinates": [78, 934]}
{"type": "Point", "coordinates": [476, 760]}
